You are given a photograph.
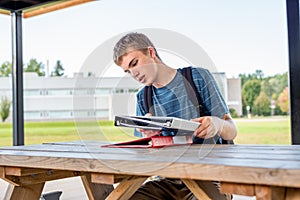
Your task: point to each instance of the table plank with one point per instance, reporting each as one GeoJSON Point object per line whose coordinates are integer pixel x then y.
{"type": "Point", "coordinates": [107, 178]}
{"type": "Point", "coordinates": [237, 188]}
{"type": "Point", "coordinates": [263, 192]}
{"type": "Point", "coordinates": [41, 177]}
{"type": "Point", "coordinates": [245, 146]}
{"type": "Point", "coordinates": [292, 194]}
{"type": "Point", "coordinates": [18, 171]}
{"type": "Point", "coordinates": [232, 148]}
{"type": "Point", "coordinates": [166, 162]}
{"type": "Point", "coordinates": [265, 154]}
{"type": "Point", "coordinates": [234, 160]}
{"type": "Point", "coordinates": [170, 151]}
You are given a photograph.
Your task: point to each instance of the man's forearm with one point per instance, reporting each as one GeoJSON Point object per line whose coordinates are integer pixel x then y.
{"type": "Point", "coordinates": [228, 130]}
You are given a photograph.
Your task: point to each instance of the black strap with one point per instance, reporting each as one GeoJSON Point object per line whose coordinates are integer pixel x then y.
{"type": "Point", "coordinates": [190, 87]}
{"type": "Point", "coordinates": [192, 93]}
{"type": "Point", "coordinates": [192, 90]}
{"type": "Point", "coordinates": [148, 100]}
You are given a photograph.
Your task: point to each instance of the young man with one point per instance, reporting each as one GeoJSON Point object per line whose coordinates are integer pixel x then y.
{"type": "Point", "coordinates": [136, 55]}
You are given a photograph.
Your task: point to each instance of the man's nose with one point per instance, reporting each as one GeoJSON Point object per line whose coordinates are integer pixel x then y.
{"type": "Point", "coordinates": [134, 73]}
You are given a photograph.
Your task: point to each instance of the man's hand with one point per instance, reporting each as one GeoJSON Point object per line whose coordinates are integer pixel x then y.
{"type": "Point", "coordinates": [210, 126]}
{"type": "Point", "coordinates": [148, 133]}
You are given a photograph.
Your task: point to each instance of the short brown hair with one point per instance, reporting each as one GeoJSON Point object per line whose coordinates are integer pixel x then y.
{"type": "Point", "coordinates": [131, 42]}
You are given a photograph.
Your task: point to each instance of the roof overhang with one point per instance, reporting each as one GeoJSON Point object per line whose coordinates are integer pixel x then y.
{"type": "Point", "coordinates": [31, 8]}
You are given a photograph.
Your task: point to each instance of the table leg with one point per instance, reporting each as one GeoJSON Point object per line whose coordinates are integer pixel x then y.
{"type": "Point", "coordinates": [26, 192]}
{"type": "Point", "coordinates": [195, 189]}
{"type": "Point", "coordinates": [205, 190]}
{"type": "Point", "coordinates": [126, 188]}
{"type": "Point", "coordinates": [95, 190]}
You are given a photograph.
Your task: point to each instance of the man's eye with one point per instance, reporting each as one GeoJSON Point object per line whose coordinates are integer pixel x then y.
{"type": "Point", "coordinates": [127, 71]}
{"type": "Point", "coordinates": [134, 63]}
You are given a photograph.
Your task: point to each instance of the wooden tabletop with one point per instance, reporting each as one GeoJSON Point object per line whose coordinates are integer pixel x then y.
{"type": "Point", "coordinates": [249, 164]}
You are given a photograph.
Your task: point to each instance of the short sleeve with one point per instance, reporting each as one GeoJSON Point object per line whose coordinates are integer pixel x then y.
{"type": "Point", "coordinates": [140, 108]}
{"type": "Point", "coordinates": [212, 99]}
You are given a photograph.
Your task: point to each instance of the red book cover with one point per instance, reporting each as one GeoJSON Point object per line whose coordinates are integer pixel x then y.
{"type": "Point", "coordinates": [153, 142]}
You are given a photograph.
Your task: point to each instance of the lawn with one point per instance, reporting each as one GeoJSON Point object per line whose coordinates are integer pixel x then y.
{"type": "Point", "coordinates": [41, 132]}
{"type": "Point", "coordinates": [251, 131]}
{"type": "Point", "coordinates": [263, 131]}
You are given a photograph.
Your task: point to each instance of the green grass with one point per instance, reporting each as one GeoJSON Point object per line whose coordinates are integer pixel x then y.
{"type": "Point", "coordinates": [252, 131]}
{"type": "Point", "coordinates": [263, 131]}
{"type": "Point", "coordinates": [41, 132]}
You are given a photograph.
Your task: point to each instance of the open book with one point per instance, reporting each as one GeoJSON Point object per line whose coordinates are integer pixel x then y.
{"type": "Point", "coordinates": [183, 130]}
{"type": "Point", "coordinates": [169, 124]}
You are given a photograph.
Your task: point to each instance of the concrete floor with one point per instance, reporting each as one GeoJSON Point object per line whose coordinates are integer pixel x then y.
{"type": "Point", "coordinates": [73, 189]}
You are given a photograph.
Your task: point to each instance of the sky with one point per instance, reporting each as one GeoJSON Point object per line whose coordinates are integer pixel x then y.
{"type": "Point", "coordinates": [238, 36]}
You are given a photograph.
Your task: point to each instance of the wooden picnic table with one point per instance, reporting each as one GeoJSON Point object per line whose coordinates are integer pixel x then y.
{"type": "Point", "coordinates": [264, 171]}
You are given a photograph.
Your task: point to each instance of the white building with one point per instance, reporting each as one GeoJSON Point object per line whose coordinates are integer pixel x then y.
{"type": "Point", "coordinates": [62, 98]}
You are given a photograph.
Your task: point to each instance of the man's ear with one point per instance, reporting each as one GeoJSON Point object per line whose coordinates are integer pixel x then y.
{"type": "Point", "coordinates": [151, 51]}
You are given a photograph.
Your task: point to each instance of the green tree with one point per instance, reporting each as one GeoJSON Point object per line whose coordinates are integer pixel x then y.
{"type": "Point", "coordinates": [258, 75]}
{"type": "Point", "coordinates": [261, 105]}
{"type": "Point", "coordinates": [272, 86]}
{"type": "Point", "coordinates": [244, 107]}
{"type": "Point", "coordinates": [250, 91]}
{"type": "Point", "coordinates": [281, 82]}
{"type": "Point", "coordinates": [35, 66]}
{"type": "Point", "coordinates": [246, 77]}
{"type": "Point", "coordinates": [5, 69]}
{"type": "Point", "coordinates": [283, 100]}
{"type": "Point", "coordinates": [233, 113]}
{"type": "Point", "coordinates": [268, 86]}
{"type": "Point", "coordinates": [58, 69]}
{"type": "Point", "coordinates": [5, 108]}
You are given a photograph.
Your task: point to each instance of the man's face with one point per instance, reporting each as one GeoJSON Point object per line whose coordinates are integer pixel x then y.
{"type": "Point", "coordinates": [140, 66]}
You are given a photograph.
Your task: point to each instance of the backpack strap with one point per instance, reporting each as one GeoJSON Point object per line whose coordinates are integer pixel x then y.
{"type": "Point", "coordinates": [148, 101]}
{"type": "Point", "coordinates": [189, 86]}
{"type": "Point", "coordinates": [192, 93]}
{"type": "Point", "coordinates": [191, 89]}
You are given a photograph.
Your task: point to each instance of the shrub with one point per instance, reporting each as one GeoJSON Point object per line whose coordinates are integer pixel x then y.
{"type": "Point", "coordinates": [5, 108]}
{"type": "Point", "coordinates": [233, 113]}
